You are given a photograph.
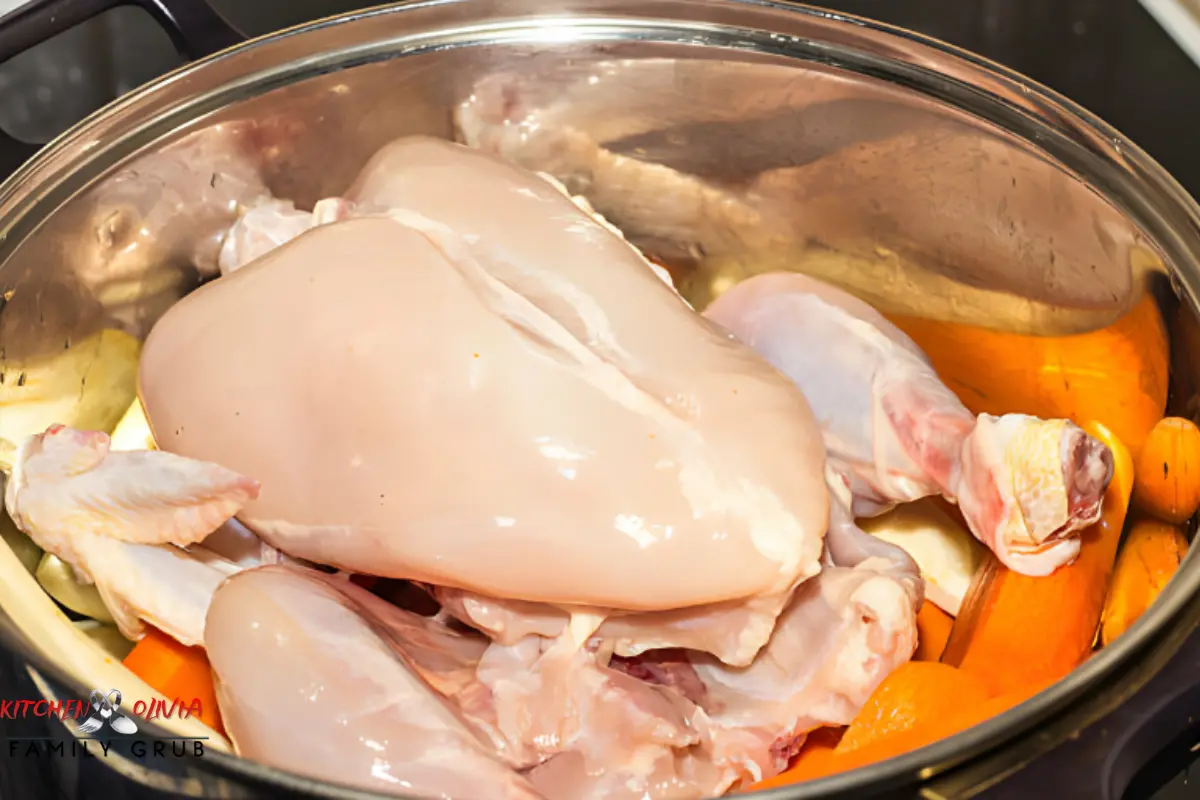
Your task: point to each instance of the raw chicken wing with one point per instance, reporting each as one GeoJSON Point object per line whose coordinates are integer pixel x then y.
{"type": "Point", "coordinates": [120, 520]}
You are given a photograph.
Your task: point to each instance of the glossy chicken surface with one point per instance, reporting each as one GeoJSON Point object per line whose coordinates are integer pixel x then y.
{"type": "Point", "coordinates": [310, 678]}
{"type": "Point", "coordinates": [683, 469]}
{"type": "Point", "coordinates": [639, 536]}
{"type": "Point", "coordinates": [1026, 486]}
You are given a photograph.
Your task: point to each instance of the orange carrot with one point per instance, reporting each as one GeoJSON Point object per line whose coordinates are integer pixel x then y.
{"type": "Point", "coordinates": [1149, 557]}
{"type": "Point", "coordinates": [933, 630]}
{"type": "Point", "coordinates": [1167, 483]}
{"type": "Point", "coordinates": [176, 672]}
{"type": "Point", "coordinates": [914, 694]}
{"type": "Point", "coordinates": [820, 762]}
{"type": "Point", "coordinates": [1015, 631]}
{"type": "Point", "coordinates": [1116, 375]}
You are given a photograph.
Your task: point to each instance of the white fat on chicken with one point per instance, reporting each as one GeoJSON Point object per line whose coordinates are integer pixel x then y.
{"type": "Point", "coordinates": [560, 708]}
{"type": "Point", "coordinates": [272, 223]}
{"type": "Point", "coordinates": [622, 453]}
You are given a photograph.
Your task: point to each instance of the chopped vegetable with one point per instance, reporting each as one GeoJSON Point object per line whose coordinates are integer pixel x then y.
{"type": "Point", "coordinates": [177, 672]}
{"type": "Point", "coordinates": [1149, 557]}
{"type": "Point", "coordinates": [1167, 481]}
{"type": "Point", "coordinates": [133, 431]}
{"type": "Point", "coordinates": [1116, 375]}
{"type": "Point", "coordinates": [933, 630]}
{"type": "Point", "coordinates": [107, 637]}
{"type": "Point", "coordinates": [1016, 631]}
{"type": "Point", "coordinates": [28, 553]}
{"type": "Point", "coordinates": [58, 579]}
{"type": "Point", "coordinates": [947, 554]}
{"type": "Point", "coordinates": [87, 385]}
{"type": "Point", "coordinates": [822, 760]}
{"type": "Point", "coordinates": [915, 693]}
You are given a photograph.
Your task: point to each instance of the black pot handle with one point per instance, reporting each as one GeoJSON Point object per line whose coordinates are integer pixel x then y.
{"type": "Point", "coordinates": [195, 29]}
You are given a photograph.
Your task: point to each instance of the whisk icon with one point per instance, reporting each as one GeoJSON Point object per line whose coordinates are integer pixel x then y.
{"type": "Point", "coordinates": [105, 708]}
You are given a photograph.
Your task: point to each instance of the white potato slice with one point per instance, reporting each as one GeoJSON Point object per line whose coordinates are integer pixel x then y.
{"type": "Point", "coordinates": [133, 431]}
{"type": "Point", "coordinates": [947, 555]}
{"type": "Point", "coordinates": [88, 385]}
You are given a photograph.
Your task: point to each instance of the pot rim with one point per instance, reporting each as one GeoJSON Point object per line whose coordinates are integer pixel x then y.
{"type": "Point", "coordinates": [1091, 149]}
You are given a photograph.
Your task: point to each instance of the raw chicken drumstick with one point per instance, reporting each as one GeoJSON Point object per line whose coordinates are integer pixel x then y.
{"type": "Point", "coordinates": [1026, 486]}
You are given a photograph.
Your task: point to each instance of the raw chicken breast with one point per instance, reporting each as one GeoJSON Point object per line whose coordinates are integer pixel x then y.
{"type": "Point", "coordinates": [1026, 486]}
{"type": "Point", "coordinates": [486, 389]}
{"type": "Point", "coordinates": [308, 681]}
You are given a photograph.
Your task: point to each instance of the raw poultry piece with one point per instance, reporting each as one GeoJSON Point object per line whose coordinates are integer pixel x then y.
{"type": "Point", "coordinates": [507, 115]}
{"type": "Point", "coordinates": [1026, 486]}
{"type": "Point", "coordinates": [272, 223]}
{"type": "Point", "coordinates": [121, 519]}
{"type": "Point", "coordinates": [733, 631]}
{"type": "Point", "coordinates": [320, 678]}
{"type": "Point", "coordinates": [512, 345]}
{"type": "Point", "coordinates": [558, 701]}
{"type": "Point", "coordinates": [868, 188]}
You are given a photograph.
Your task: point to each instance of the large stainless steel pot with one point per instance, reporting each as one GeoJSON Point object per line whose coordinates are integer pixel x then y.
{"type": "Point", "coordinates": [925, 179]}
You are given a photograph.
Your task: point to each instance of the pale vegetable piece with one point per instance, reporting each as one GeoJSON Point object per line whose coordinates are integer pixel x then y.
{"type": "Point", "coordinates": [133, 431]}
{"type": "Point", "coordinates": [88, 385]}
{"type": "Point", "coordinates": [947, 555]}
{"type": "Point", "coordinates": [28, 553]}
{"type": "Point", "coordinates": [58, 579]}
{"type": "Point", "coordinates": [107, 638]}
{"type": "Point", "coordinates": [44, 625]}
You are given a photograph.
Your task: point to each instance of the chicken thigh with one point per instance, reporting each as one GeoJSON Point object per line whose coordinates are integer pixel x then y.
{"type": "Point", "coordinates": [894, 431]}
{"type": "Point", "coordinates": [308, 680]}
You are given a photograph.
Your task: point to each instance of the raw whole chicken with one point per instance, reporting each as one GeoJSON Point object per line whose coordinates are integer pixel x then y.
{"type": "Point", "coordinates": [494, 415]}
{"type": "Point", "coordinates": [650, 581]}
{"type": "Point", "coordinates": [895, 432]}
